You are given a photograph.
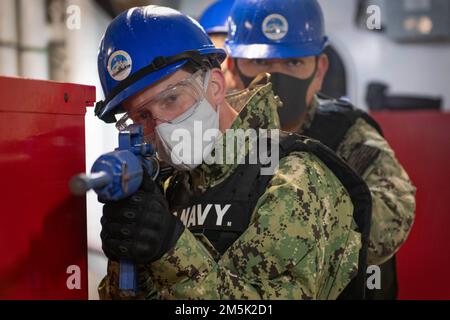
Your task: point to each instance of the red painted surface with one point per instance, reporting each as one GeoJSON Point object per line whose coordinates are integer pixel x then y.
{"type": "Point", "coordinates": [421, 141]}
{"type": "Point", "coordinates": [42, 227]}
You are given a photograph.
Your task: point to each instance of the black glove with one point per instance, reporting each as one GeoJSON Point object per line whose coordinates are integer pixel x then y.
{"type": "Point", "coordinates": [140, 228]}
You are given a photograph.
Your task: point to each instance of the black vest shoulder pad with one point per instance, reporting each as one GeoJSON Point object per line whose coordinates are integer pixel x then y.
{"type": "Point", "coordinates": [333, 119]}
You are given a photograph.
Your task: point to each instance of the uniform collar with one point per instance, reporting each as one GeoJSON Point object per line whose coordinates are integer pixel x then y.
{"type": "Point", "coordinates": [257, 108]}
{"type": "Point", "coordinates": [310, 114]}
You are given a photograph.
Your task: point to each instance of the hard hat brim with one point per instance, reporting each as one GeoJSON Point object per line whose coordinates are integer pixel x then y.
{"type": "Point", "coordinates": [276, 50]}
{"type": "Point", "coordinates": [150, 79]}
{"type": "Point", "coordinates": [145, 82]}
{"type": "Point", "coordinates": [217, 30]}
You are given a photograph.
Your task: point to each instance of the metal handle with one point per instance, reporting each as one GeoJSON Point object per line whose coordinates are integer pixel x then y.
{"type": "Point", "coordinates": [127, 276]}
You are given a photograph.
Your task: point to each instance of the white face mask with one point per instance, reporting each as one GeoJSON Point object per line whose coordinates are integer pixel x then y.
{"type": "Point", "coordinates": [184, 145]}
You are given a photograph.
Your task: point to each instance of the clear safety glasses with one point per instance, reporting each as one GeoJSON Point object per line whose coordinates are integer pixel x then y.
{"type": "Point", "coordinates": [173, 105]}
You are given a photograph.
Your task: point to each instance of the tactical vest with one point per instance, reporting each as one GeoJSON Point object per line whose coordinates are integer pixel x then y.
{"type": "Point", "coordinates": [330, 125]}
{"type": "Point", "coordinates": [223, 212]}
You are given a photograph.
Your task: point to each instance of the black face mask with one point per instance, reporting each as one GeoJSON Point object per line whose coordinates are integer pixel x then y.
{"type": "Point", "coordinates": [292, 92]}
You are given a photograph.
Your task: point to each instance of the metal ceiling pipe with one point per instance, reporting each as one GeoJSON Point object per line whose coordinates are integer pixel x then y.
{"type": "Point", "coordinates": [8, 39]}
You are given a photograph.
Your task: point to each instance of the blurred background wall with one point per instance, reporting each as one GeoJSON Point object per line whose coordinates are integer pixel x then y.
{"type": "Point", "coordinates": [58, 40]}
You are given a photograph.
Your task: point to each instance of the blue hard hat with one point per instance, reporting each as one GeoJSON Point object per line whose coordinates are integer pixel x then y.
{"type": "Point", "coordinates": [267, 29]}
{"type": "Point", "coordinates": [142, 46]}
{"type": "Point", "coordinates": [215, 17]}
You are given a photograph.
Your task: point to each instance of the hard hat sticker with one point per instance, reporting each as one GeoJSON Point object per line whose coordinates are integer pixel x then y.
{"type": "Point", "coordinates": [119, 65]}
{"type": "Point", "coordinates": [275, 27]}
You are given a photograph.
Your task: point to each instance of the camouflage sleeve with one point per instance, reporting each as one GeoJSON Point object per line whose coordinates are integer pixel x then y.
{"type": "Point", "coordinates": [393, 194]}
{"type": "Point", "coordinates": [300, 245]}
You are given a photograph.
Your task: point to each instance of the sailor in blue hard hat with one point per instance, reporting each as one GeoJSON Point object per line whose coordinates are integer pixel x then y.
{"type": "Point", "coordinates": [160, 70]}
{"type": "Point", "coordinates": [286, 39]}
{"type": "Point", "coordinates": [215, 22]}
{"type": "Point", "coordinates": [150, 55]}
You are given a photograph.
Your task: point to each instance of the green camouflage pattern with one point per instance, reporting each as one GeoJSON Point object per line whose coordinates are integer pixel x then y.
{"type": "Point", "coordinates": [257, 107]}
{"type": "Point", "coordinates": [301, 242]}
{"type": "Point", "coordinates": [393, 194]}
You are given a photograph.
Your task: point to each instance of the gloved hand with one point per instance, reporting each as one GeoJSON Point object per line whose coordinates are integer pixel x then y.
{"type": "Point", "coordinates": [140, 228]}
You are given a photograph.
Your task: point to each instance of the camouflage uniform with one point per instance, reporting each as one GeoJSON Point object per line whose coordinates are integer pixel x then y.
{"type": "Point", "coordinates": [393, 194]}
{"type": "Point", "coordinates": [301, 242]}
